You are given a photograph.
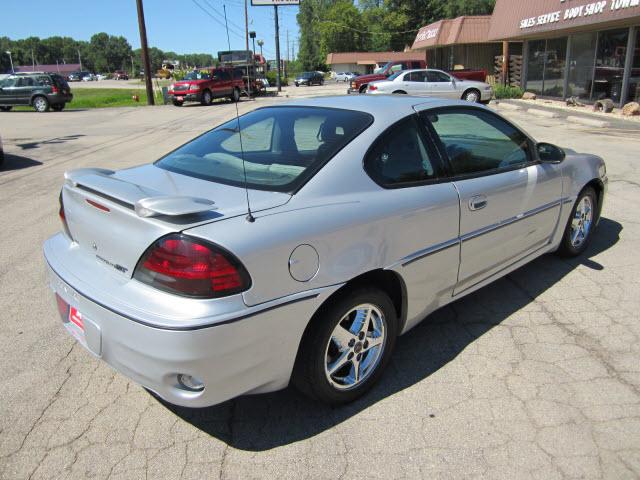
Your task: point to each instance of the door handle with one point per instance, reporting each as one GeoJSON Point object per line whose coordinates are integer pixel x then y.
{"type": "Point", "coordinates": [478, 202]}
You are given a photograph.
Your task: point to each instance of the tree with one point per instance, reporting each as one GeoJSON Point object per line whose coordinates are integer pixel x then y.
{"type": "Point", "coordinates": [342, 29]}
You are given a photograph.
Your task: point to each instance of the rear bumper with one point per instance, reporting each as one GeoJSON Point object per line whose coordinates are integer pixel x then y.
{"type": "Point", "coordinates": [58, 98]}
{"type": "Point", "coordinates": [249, 351]}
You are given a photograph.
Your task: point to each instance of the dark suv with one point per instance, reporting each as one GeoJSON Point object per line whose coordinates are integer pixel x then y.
{"type": "Point", "coordinates": [40, 90]}
{"type": "Point", "coordinates": [309, 78]}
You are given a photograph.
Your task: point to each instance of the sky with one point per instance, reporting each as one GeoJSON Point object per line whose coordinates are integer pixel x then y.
{"type": "Point", "coordinates": [177, 25]}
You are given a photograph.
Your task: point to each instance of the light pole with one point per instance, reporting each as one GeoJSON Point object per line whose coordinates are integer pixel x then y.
{"type": "Point", "coordinates": [79, 59]}
{"type": "Point", "coordinates": [10, 60]}
{"type": "Point", "coordinates": [260, 44]}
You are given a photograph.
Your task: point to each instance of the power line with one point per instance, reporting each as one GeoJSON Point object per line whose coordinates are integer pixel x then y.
{"type": "Point", "coordinates": [221, 23]}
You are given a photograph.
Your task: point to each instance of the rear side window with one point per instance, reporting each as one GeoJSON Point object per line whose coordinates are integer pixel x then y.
{"type": "Point", "coordinates": [400, 157]}
{"type": "Point", "coordinates": [438, 77]}
{"type": "Point", "coordinates": [478, 141]}
{"type": "Point", "coordinates": [415, 77]}
{"type": "Point", "coordinates": [282, 147]}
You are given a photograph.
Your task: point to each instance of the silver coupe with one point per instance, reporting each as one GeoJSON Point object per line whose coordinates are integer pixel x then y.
{"type": "Point", "coordinates": [296, 243]}
{"type": "Point", "coordinates": [432, 83]}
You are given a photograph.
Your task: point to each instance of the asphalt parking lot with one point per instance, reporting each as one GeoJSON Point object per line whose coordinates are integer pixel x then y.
{"type": "Point", "coordinates": [535, 376]}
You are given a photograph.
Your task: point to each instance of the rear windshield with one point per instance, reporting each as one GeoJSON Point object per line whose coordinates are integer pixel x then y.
{"type": "Point", "coordinates": [283, 147]}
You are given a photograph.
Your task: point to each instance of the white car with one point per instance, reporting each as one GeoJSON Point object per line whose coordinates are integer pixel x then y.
{"type": "Point", "coordinates": [89, 78]}
{"type": "Point", "coordinates": [432, 83]}
{"type": "Point", "coordinates": [101, 76]}
{"type": "Point", "coordinates": [345, 76]}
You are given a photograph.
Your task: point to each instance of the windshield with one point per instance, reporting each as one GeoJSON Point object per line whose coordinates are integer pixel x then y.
{"type": "Point", "coordinates": [394, 76]}
{"type": "Point", "coordinates": [383, 68]}
{"type": "Point", "coordinates": [282, 147]}
{"type": "Point", "coordinates": [196, 76]}
{"type": "Point", "coordinates": [307, 75]}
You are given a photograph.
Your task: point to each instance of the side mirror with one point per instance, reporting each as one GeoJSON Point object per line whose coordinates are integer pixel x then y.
{"type": "Point", "coordinates": [549, 153]}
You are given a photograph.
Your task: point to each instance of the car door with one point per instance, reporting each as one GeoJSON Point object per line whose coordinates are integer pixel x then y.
{"type": "Point", "coordinates": [23, 90]}
{"type": "Point", "coordinates": [509, 202]}
{"type": "Point", "coordinates": [7, 90]}
{"type": "Point", "coordinates": [441, 85]}
{"type": "Point", "coordinates": [415, 83]}
{"type": "Point", "coordinates": [420, 221]}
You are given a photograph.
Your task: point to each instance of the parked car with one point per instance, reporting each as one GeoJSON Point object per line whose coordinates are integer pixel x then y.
{"type": "Point", "coordinates": [361, 82]}
{"type": "Point", "coordinates": [204, 86]}
{"type": "Point", "coordinates": [120, 75]}
{"type": "Point", "coordinates": [78, 76]}
{"type": "Point", "coordinates": [40, 90]}
{"type": "Point", "coordinates": [101, 76]}
{"type": "Point", "coordinates": [432, 83]}
{"type": "Point", "coordinates": [309, 78]}
{"type": "Point", "coordinates": [366, 214]}
{"type": "Point", "coordinates": [345, 76]}
{"type": "Point", "coordinates": [89, 78]}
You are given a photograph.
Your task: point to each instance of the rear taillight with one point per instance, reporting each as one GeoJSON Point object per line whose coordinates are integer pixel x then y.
{"type": "Point", "coordinates": [191, 267]}
{"type": "Point", "coordinates": [372, 88]}
{"type": "Point", "coordinates": [54, 89]}
{"type": "Point", "coordinates": [63, 217]}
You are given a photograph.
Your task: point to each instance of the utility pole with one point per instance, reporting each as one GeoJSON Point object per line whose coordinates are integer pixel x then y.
{"type": "Point", "coordinates": [133, 71]}
{"type": "Point", "coordinates": [11, 61]}
{"type": "Point", "coordinates": [145, 53]}
{"type": "Point", "coordinates": [79, 59]}
{"type": "Point", "coordinates": [246, 25]}
{"type": "Point", "coordinates": [33, 61]}
{"type": "Point", "coordinates": [277, 50]}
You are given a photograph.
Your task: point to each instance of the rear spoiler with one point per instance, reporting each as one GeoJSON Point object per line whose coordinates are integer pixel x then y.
{"type": "Point", "coordinates": [144, 201]}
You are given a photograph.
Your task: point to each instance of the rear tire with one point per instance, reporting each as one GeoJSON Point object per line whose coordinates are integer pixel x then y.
{"type": "Point", "coordinates": [582, 221]}
{"type": "Point", "coordinates": [6, 109]}
{"type": "Point", "coordinates": [472, 95]}
{"type": "Point", "coordinates": [40, 104]}
{"type": "Point", "coordinates": [235, 96]}
{"type": "Point", "coordinates": [58, 107]}
{"type": "Point", "coordinates": [177, 104]}
{"type": "Point", "coordinates": [340, 358]}
{"type": "Point", "coordinates": [399, 92]}
{"type": "Point", "coordinates": [363, 89]}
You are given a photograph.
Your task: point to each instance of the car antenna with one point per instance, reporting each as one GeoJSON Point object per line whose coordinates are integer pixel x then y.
{"type": "Point", "coordinates": [250, 217]}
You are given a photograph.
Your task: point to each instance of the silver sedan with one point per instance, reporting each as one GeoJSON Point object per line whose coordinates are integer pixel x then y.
{"type": "Point", "coordinates": [296, 243]}
{"type": "Point", "coordinates": [432, 83]}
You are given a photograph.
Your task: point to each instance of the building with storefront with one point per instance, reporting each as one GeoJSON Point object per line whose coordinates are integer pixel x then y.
{"type": "Point", "coordinates": [366, 62]}
{"type": "Point", "coordinates": [460, 43]}
{"type": "Point", "coordinates": [583, 48]}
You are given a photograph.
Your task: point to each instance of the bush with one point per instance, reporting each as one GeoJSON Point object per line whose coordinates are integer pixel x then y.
{"type": "Point", "coordinates": [271, 76]}
{"type": "Point", "coordinates": [502, 91]}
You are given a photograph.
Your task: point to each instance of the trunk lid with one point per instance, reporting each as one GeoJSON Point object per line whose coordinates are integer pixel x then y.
{"type": "Point", "coordinates": [116, 216]}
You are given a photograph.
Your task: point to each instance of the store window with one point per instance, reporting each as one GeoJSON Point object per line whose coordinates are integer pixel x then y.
{"type": "Point", "coordinates": [582, 56]}
{"type": "Point", "coordinates": [554, 69]}
{"type": "Point", "coordinates": [634, 78]}
{"type": "Point", "coordinates": [546, 66]}
{"type": "Point", "coordinates": [535, 66]}
{"type": "Point", "coordinates": [609, 68]}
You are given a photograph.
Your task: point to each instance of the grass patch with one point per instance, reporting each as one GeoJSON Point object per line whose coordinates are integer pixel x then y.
{"type": "Point", "coordinates": [502, 91]}
{"type": "Point", "coordinates": [104, 98]}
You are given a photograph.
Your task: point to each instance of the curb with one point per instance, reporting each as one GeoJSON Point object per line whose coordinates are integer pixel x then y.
{"type": "Point", "coordinates": [590, 122]}
{"type": "Point", "coordinates": [543, 113]}
{"type": "Point", "coordinates": [508, 106]}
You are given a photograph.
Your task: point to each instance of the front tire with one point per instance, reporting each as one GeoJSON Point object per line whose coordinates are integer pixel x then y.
{"type": "Point", "coordinates": [206, 98]}
{"type": "Point", "coordinates": [41, 104]}
{"type": "Point", "coordinates": [347, 346]}
{"type": "Point", "coordinates": [235, 96]}
{"type": "Point", "coordinates": [6, 109]}
{"type": "Point", "coordinates": [579, 229]}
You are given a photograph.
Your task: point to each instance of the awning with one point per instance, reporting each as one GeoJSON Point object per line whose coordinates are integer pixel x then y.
{"type": "Point", "coordinates": [367, 62]}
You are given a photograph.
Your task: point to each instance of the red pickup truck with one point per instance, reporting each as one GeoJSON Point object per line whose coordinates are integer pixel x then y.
{"type": "Point", "coordinates": [204, 86]}
{"type": "Point", "coordinates": [359, 84]}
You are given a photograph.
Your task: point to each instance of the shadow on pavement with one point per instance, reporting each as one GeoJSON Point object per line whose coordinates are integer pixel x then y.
{"type": "Point", "coordinates": [16, 162]}
{"type": "Point", "coordinates": [263, 422]}
{"type": "Point", "coordinates": [32, 145]}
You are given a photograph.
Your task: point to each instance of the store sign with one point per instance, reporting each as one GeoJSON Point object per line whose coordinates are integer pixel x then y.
{"type": "Point", "coordinates": [428, 34]}
{"type": "Point", "coordinates": [571, 13]}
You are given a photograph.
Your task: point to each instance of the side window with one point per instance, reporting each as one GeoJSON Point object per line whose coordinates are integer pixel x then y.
{"type": "Point", "coordinates": [415, 77]}
{"type": "Point", "coordinates": [478, 141]}
{"type": "Point", "coordinates": [25, 82]}
{"type": "Point", "coordinates": [438, 77]}
{"type": "Point", "coordinates": [43, 81]}
{"type": "Point", "coordinates": [396, 68]}
{"type": "Point", "coordinates": [400, 156]}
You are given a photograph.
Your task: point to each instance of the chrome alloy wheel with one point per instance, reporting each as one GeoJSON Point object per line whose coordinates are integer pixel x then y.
{"type": "Point", "coordinates": [40, 104]}
{"type": "Point", "coordinates": [472, 97]}
{"type": "Point", "coordinates": [581, 223]}
{"type": "Point", "coordinates": [355, 347]}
